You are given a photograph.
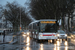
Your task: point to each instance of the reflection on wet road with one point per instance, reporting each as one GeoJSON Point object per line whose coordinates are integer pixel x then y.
{"type": "Point", "coordinates": [27, 43]}
{"type": "Point", "coordinates": [48, 45]}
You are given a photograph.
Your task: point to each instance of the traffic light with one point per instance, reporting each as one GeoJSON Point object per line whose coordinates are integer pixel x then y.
{"type": "Point", "coordinates": [20, 28]}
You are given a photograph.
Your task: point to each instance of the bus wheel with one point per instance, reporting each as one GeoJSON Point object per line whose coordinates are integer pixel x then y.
{"type": "Point", "coordinates": [52, 40]}
{"type": "Point", "coordinates": [56, 39]}
{"type": "Point", "coordinates": [38, 40]}
{"type": "Point", "coordinates": [66, 39]}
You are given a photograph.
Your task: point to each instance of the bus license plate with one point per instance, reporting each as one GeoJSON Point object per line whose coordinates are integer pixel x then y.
{"type": "Point", "coordinates": [48, 38]}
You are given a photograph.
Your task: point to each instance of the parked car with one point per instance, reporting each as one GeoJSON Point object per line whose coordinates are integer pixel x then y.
{"type": "Point", "coordinates": [62, 34]}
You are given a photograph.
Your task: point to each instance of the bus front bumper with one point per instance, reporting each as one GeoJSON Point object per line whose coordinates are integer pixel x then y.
{"type": "Point", "coordinates": [47, 37]}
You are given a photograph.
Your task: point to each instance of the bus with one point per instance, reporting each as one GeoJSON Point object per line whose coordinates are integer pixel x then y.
{"type": "Point", "coordinates": [45, 29]}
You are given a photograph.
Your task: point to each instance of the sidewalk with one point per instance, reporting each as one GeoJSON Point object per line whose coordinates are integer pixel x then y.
{"type": "Point", "coordinates": [8, 39]}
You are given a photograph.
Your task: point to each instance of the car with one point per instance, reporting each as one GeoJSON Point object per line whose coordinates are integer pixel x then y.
{"type": "Point", "coordinates": [25, 32]}
{"type": "Point", "coordinates": [62, 34]}
{"type": "Point", "coordinates": [73, 34]}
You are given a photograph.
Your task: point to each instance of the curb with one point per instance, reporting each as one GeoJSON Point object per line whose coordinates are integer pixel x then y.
{"type": "Point", "coordinates": [13, 41]}
{"type": "Point", "coordinates": [5, 43]}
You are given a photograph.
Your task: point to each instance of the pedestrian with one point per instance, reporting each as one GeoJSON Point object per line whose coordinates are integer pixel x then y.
{"type": "Point", "coordinates": [3, 36]}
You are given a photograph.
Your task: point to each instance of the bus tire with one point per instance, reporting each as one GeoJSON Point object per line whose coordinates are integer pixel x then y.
{"type": "Point", "coordinates": [66, 39]}
{"type": "Point", "coordinates": [52, 40]}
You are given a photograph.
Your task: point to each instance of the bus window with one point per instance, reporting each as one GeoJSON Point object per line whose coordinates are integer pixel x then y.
{"type": "Point", "coordinates": [30, 26]}
{"type": "Point", "coordinates": [48, 27]}
{"type": "Point", "coordinates": [35, 25]}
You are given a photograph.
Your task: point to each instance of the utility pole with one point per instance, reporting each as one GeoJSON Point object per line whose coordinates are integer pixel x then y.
{"type": "Point", "coordinates": [20, 28]}
{"type": "Point", "coordinates": [2, 28]}
{"type": "Point", "coordinates": [20, 18]}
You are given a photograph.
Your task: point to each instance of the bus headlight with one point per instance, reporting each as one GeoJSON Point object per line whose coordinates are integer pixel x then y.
{"type": "Point", "coordinates": [65, 34]}
{"type": "Point", "coordinates": [58, 35]}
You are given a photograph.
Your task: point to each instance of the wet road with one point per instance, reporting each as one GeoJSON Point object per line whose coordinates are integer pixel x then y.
{"type": "Point", "coordinates": [27, 43]}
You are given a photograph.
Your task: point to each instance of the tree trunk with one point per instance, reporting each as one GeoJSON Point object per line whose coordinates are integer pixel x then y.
{"type": "Point", "coordinates": [68, 22]}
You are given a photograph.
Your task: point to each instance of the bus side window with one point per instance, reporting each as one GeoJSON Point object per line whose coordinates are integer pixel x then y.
{"type": "Point", "coordinates": [30, 26]}
{"type": "Point", "coordinates": [34, 26]}
{"type": "Point", "coordinates": [38, 24]}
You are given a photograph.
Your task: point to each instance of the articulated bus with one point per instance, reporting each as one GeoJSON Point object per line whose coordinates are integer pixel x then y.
{"type": "Point", "coordinates": [45, 29]}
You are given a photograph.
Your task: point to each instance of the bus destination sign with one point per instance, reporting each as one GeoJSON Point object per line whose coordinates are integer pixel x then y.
{"type": "Point", "coordinates": [48, 22]}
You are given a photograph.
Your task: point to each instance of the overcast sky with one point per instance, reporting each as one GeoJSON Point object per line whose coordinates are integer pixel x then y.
{"type": "Point", "coordinates": [3, 2]}
{"type": "Point", "coordinates": [21, 2]}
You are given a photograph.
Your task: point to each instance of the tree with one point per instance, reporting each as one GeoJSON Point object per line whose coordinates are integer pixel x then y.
{"type": "Point", "coordinates": [13, 12]}
{"type": "Point", "coordinates": [52, 9]}
{"type": "Point", "coordinates": [45, 9]}
{"type": "Point", "coordinates": [1, 8]}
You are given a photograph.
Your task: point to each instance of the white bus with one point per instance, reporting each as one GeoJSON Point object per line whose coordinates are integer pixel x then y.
{"type": "Point", "coordinates": [45, 29]}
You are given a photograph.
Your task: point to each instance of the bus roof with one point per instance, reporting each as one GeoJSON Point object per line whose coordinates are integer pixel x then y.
{"type": "Point", "coordinates": [47, 20]}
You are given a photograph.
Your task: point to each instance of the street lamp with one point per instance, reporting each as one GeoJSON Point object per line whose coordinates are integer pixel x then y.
{"type": "Point", "coordinates": [20, 18]}
{"type": "Point", "coordinates": [20, 28]}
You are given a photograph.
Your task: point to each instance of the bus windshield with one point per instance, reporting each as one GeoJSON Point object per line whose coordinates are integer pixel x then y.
{"type": "Point", "coordinates": [48, 27]}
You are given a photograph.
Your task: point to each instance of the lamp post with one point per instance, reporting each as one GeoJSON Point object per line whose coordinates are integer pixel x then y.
{"type": "Point", "coordinates": [2, 28]}
{"type": "Point", "coordinates": [20, 28]}
{"type": "Point", "coordinates": [20, 18]}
